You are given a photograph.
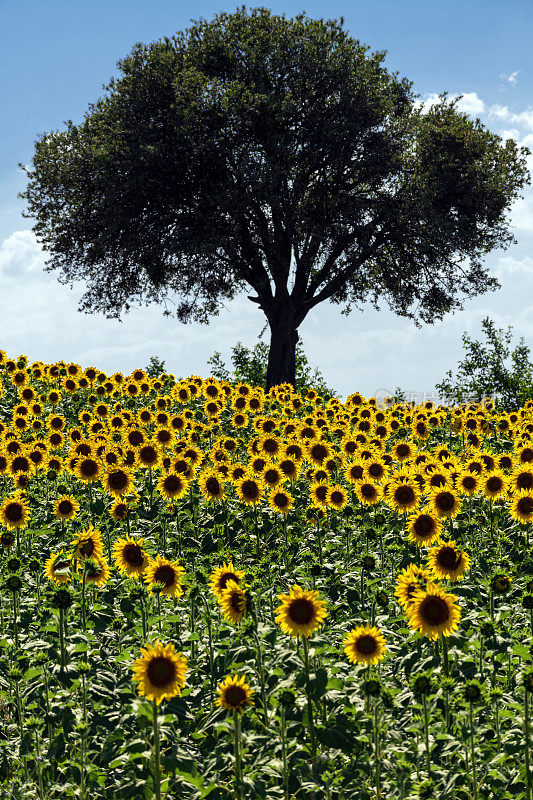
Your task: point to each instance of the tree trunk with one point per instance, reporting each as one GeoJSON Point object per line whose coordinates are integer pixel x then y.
{"type": "Point", "coordinates": [282, 354]}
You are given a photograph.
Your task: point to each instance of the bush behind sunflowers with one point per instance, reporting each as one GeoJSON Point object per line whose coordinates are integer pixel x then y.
{"type": "Point", "coordinates": [209, 591]}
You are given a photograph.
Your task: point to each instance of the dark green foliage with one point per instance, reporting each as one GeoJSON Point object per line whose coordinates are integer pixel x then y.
{"type": "Point", "coordinates": [250, 365]}
{"type": "Point", "coordinates": [256, 152]}
{"type": "Point", "coordinates": [155, 367]}
{"type": "Point", "coordinates": [491, 369]}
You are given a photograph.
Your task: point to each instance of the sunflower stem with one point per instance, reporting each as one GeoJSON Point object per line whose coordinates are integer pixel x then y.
{"type": "Point", "coordinates": [473, 751]}
{"type": "Point", "coordinates": [83, 586]}
{"type": "Point", "coordinates": [261, 676]}
{"type": "Point", "coordinates": [237, 746]}
{"type": "Point", "coordinates": [39, 766]}
{"type": "Point", "coordinates": [15, 623]}
{"type": "Point", "coordinates": [143, 616]}
{"type": "Point", "coordinates": [305, 644]}
{"type": "Point", "coordinates": [157, 765]}
{"type": "Point", "coordinates": [426, 735]}
{"type": "Point", "coordinates": [283, 730]}
{"type": "Point", "coordinates": [62, 638]}
{"type": "Point", "coordinates": [377, 756]}
{"type": "Point", "coordinates": [526, 745]}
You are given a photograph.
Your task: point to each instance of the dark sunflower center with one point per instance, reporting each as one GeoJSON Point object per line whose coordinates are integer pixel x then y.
{"type": "Point", "coordinates": [367, 490]}
{"type": "Point", "coordinates": [148, 454]}
{"type": "Point", "coordinates": [525, 506]}
{"type": "Point", "coordinates": [172, 484]}
{"type": "Point", "coordinates": [20, 463]}
{"type": "Point", "coordinates": [165, 575]}
{"type": "Point", "coordinates": [424, 525]}
{"type": "Point", "coordinates": [404, 495]}
{"type": "Point", "coordinates": [403, 450]}
{"type": "Point", "coordinates": [527, 454]}
{"type": "Point", "coordinates": [226, 577]}
{"type": "Point", "coordinates": [319, 452]}
{"type": "Point", "coordinates": [336, 498]}
{"type": "Point", "coordinates": [65, 507]}
{"type": "Point", "coordinates": [118, 480]}
{"type": "Point", "coordinates": [161, 672]}
{"type": "Point", "coordinates": [376, 470]}
{"type": "Point", "coordinates": [133, 555]}
{"type": "Point", "coordinates": [234, 696]}
{"type": "Point", "coordinates": [469, 483]}
{"type": "Point", "coordinates": [494, 484]}
{"type": "Point", "coordinates": [287, 467]}
{"type": "Point", "coordinates": [434, 610]}
{"type": "Point", "coordinates": [135, 438]}
{"type": "Point", "coordinates": [366, 645]}
{"type": "Point", "coordinates": [445, 501]}
{"type": "Point", "coordinates": [164, 437]}
{"type": "Point", "coordinates": [86, 547]}
{"type": "Point", "coordinates": [250, 490]}
{"type": "Point", "coordinates": [270, 446]}
{"type": "Point", "coordinates": [301, 611]}
{"type": "Point", "coordinates": [236, 601]}
{"type": "Point", "coordinates": [14, 512]}
{"type": "Point", "coordinates": [321, 492]}
{"type": "Point", "coordinates": [437, 480]}
{"type": "Point", "coordinates": [271, 475]}
{"type": "Point", "coordinates": [281, 500]}
{"type": "Point", "coordinates": [212, 486]}
{"type": "Point", "coordinates": [448, 558]}
{"type": "Point", "coordinates": [356, 472]}
{"type": "Point", "coordinates": [89, 468]}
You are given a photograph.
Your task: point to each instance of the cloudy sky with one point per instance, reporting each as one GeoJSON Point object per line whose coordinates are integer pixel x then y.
{"type": "Point", "coordinates": [56, 56]}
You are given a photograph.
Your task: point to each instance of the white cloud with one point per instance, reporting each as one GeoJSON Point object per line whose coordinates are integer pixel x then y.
{"type": "Point", "coordinates": [524, 118]}
{"type": "Point", "coordinates": [513, 77]}
{"type": "Point", "coordinates": [469, 103]}
{"type": "Point", "coordinates": [20, 253]}
{"type": "Point", "coordinates": [507, 265]}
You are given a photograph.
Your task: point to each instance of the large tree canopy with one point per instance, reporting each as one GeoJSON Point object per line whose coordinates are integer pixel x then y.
{"type": "Point", "coordinates": [279, 156]}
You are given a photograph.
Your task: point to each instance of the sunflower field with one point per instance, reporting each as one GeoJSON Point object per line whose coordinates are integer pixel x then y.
{"type": "Point", "coordinates": [210, 591]}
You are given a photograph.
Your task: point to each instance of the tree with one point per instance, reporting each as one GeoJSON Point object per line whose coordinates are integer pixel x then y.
{"type": "Point", "coordinates": [250, 365]}
{"type": "Point", "coordinates": [491, 369]}
{"type": "Point", "coordinates": [256, 152]}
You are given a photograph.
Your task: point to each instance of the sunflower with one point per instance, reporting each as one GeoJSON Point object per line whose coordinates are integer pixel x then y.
{"type": "Point", "coordinates": [233, 602]}
{"type": "Point", "coordinates": [319, 493]}
{"type": "Point", "coordinates": [57, 568]}
{"type": "Point", "coordinates": [172, 485]}
{"type": "Point", "coordinates": [403, 495]}
{"type": "Point", "coordinates": [165, 573]}
{"type": "Point", "coordinates": [148, 456]}
{"type": "Point", "coordinates": [364, 645]}
{"type": "Point", "coordinates": [434, 612]}
{"type": "Point", "coordinates": [15, 512]}
{"type": "Point", "coordinates": [249, 490]}
{"type": "Point", "coordinates": [467, 483]}
{"type": "Point", "coordinates": [409, 581]}
{"type": "Point", "coordinates": [337, 497]}
{"type": "Point", "coordinates": [368, 492]}
{"type": "Point", "coordinates": [66, 507]}
{"type": "Point", "coordinates": [119, 510]}
{"type": "Point", "coordinates": [494, 484]}
{"type": "Point", "coordinates": [221, 576]}
{"type": "Point", "coordinates": [445, 503]}
{"type": "Point", "coordinates": [423, 527]}
{"type": "Point", "coordinates": [301, 612]}
{"type": "Point", "coordinates": [234, 693]}
{"type": "Point", "coordinates": [448, 561]}
{"type": "Point", "coordinates": [88, 544]}
{"type": "Point", "coordinates": [117, 481]}
{"type": "Point", "coordinates": [88, 469]}
{"type": "Point", "coordinates": [130, 558]}
{"type": "Point", "coordinates": [211, 487]}
{"type": "Point", "coordinates": [280, 501]}
{"type": "Point", "coordinates": [317, 452]}
{"type": "Point", "coordinates": [97, 570]}
{"type": "Point", "coordinates": [160, 672]}
{"type": "Point", "coordinates": [521, 506]}
{"type": "Point", "coordinates": [522, 478]}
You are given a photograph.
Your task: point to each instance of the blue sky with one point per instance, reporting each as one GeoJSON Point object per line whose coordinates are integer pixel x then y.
{"type": "Point", "coordinates": [54, 59]}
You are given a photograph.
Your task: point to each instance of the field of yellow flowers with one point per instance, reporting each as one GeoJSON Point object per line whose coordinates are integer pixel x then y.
{"type": "Point", "coordinates": [209, 591]}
